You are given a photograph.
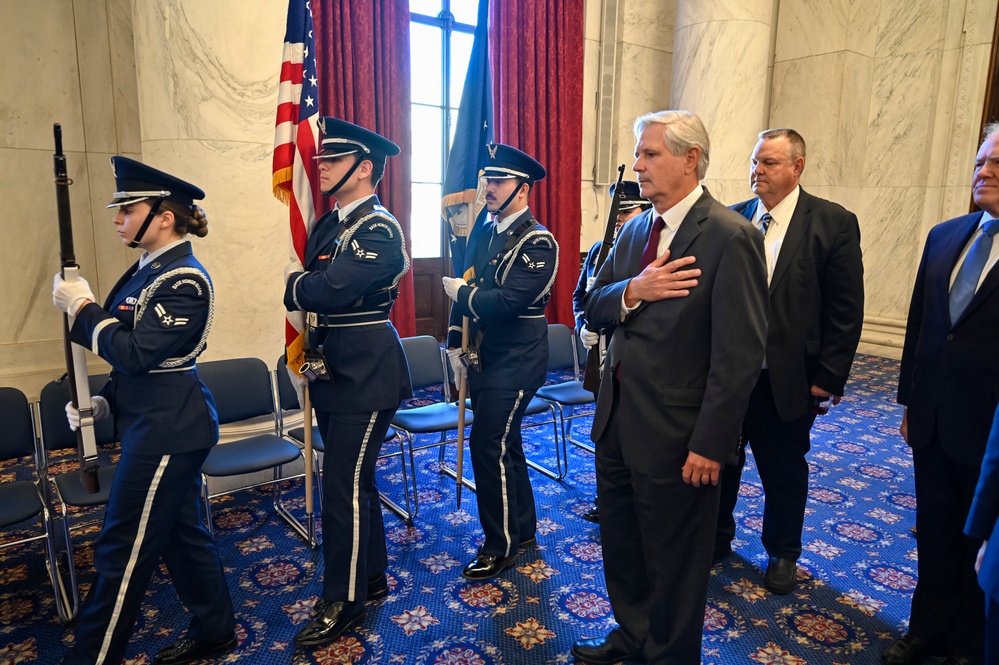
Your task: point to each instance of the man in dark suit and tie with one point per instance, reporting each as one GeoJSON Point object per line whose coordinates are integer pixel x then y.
{"type": "Point", "coordinates": [687, 346]}
{"type": "Point", "coordinates": [949, 384]}
{"type": "Point", "coordinates": [816, 278]}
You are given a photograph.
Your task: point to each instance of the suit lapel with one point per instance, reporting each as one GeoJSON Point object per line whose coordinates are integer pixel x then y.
{"type": "Point", "coordinates": [796, 230]}
{"type": "Point", "coordinates": [690, 227]}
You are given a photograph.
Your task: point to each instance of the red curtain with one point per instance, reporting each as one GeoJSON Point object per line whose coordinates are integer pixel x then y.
{"type": "Point", "coordinates": [537, 57]}
{"type": "Point", "coordinates": [362, 54]}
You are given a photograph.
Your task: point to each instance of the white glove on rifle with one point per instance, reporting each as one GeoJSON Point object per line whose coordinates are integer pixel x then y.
{"type": "Point", "coordinates": [451, 286]}
{"type": "Point", "coordinates": [588, 337]}
{"type": "Point", "coordinates": [459, 369]}
{"type": "Point", "coordinates": [70, 296]}
{"type": "Point", "coordinates": [99, 405]}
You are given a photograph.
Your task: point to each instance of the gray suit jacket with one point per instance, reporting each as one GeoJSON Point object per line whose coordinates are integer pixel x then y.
{"type": "Point", "coordinates": [687, 365]}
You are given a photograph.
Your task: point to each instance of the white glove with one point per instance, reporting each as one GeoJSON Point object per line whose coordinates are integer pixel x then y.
{"type": "Point", "coordinates": [292, 268]}
{"type": "Point", "coordinates": [590, 281]}
{"type": "Point", "coordinates": [70, 296]}
{"type": "Point", "coordinates": [588, 337]}
{"type": "Point", "coordinates": [459, 369]}
{"type": "Point", "coordinates": [451, 286]}
{"type": "Point", "coordinates": [99, 405]}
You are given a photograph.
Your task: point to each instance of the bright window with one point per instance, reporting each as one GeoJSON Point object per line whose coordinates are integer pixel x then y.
{"type": "Point", "coordinates": [440, 47]}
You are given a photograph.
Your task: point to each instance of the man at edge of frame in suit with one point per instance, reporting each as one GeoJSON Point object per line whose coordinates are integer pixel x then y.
{"type": "Point", "coordinates": [949, 385]}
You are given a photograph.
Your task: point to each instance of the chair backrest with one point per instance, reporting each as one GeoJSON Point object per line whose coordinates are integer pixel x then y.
{"type": "Point", "coordinates": [561, 348]}
{"type": "Point", "coordinates": [241, 388]}
{"type": "Point", "coordinates": [287, 395]}
{"type": "Point", "coordinates": [17, 427]}
{"type": "Point", "coordinates": [426, 361]}
{"type": "Point", "coordinates": [56, 434]}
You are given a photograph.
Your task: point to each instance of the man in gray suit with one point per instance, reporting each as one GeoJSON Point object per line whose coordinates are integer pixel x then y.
{"type": "Point", "coordinates": [687, 347]}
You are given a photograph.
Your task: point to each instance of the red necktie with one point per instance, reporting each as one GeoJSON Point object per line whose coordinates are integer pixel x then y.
{"type": "Point", "coordinates": [652, 246]}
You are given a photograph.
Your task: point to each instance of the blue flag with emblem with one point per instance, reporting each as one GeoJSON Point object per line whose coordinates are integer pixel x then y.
{"type": "Point", "coordinates": [462, 201]}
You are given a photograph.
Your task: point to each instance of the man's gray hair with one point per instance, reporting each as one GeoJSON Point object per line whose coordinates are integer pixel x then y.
{"type": "Point", "coordinates": [682, 130]}
{"type": "Point", "coordinates": [990, 130]}
{"type": "Point", "coordinates": [796, 142]}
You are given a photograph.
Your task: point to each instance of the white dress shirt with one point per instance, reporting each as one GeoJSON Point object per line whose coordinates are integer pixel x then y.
{"type": "Point", "coordinates": [777, 231]}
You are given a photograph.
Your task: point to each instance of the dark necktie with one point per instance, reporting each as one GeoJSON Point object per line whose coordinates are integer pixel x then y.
{"type": "Point", "coordinates": [966, 282]}
{"type": "Point", "coordinates": [652, 246]}
{"type": "Point", "coordinates": [765, 223]}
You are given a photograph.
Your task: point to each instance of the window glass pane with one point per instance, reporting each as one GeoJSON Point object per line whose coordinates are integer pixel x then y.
{"type": "Point", "coordinates": [427, 136]}
{"type": "Point", "coordinates": [461, 52]}
{"type": "Point", "coordinates": [465, 11]}
{"type": "Point", "coordinates": [426, 58]}
{"type": "Point", "coordinates": [425, 225]}
{"type": "Point", "coordinates": [429, 7]}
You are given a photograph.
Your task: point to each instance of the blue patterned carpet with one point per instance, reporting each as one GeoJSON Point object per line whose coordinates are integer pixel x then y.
{"type": "Point", "coordinates": [856, 574]}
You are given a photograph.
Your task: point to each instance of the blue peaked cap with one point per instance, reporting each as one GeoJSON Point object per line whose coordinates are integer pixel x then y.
{"type": "Point", "coordinates": [134, 182]}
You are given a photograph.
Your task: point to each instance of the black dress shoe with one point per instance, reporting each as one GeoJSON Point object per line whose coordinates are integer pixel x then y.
{"type": "Point", "coordinates": [782, 575]}
{"type": "Point", "coordinates": [331, 621]}
{"type": "Point", "coordinates": [378, 587]}
{"type": "Point", "coordinates": [485, 566]}
{"type": "Point", "coordinates": [599, 651]}
{"type": "Point", "coordinates": [905, 650]}
{"type": "Point", "coordinates": [188, 651]}
{"type": "Point", "coordinates": [592, 515]}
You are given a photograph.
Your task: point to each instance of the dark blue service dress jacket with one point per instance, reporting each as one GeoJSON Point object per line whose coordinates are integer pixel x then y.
{"type": "Point", "coordinates": [505, 300]}
{"type": "Point", "coordinates": [158, 324]}
{"type": "Point", "coordinates": [354, 266]}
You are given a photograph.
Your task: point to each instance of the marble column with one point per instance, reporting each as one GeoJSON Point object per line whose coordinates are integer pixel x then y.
{"type": "Point", "coordinates": [207, 74]}
{"type": "Point", "coordinates": [721, 72]}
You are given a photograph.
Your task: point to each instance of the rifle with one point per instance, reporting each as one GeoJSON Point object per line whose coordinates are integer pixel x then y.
{"type": "Point", "coordinates": [76, 359]}
{"type": "Point", "coordinates": [594, 357]}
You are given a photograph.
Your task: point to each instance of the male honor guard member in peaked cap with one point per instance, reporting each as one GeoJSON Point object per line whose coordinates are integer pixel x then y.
{"type": "Point", "coordinates": [151, 329]}
{"type": "Point", "coordinates": [630, 205]}
{"type": "Point", "coordinates": [354, 260]}
{"type": "Point", "coordinates": [510, 264]}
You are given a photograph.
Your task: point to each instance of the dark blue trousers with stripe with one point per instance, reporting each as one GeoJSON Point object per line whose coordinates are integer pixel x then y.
{"type": "Point", "coordinates": [153, 513]}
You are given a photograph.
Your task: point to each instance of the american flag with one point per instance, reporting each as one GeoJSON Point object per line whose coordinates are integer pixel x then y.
{"type": "Point", "coordinates": [294, 179]}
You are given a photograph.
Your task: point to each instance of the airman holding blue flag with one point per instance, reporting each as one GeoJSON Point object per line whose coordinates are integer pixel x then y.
{"type": "Point", "coordinates": [508, 273]}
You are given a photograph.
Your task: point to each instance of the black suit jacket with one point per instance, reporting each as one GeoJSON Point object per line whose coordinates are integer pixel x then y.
{"type": "Point", "coordinates": [949, 378]}
{"type": "Point", "coordinates": [687, 365]}
{"type": "Point", "coordinates": [816, 302]}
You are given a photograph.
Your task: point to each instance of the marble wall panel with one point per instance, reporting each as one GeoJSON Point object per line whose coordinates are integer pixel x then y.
{"type": "Point", "coordinates": [644, 75]}
{"type": "Point", "coordinates": [729, 94]}
{"type": "Point", "coordinates": [591, 63]}
{"type": "Point", "coordinates": [729, 191]}
{"type": "Point", "coordinates": [40, 79]}
{"type": "Point", "coordinates": [814, 28]}
{"type": "Point", "coordinates": [125, 85]}
{"type": "Point", "coordinates": [891, 236]}
{"type": "Point", "coordinates": [903, 106]}
{"type": "Point", "coordinates": [648, 24]}
{"type": "Point", "coordinates": [979, 21]}
{"type": "Point", "coordinates": [594, 200]}
{"type": "Point", "coordinates": [93, 44]}
{"type": "Point", "coordinates": [202, 81]}
{"type": "Point", "coordinates": [591, 19]}
{"type": "Point", "coordinates": [691, 13]}
{"type": "Point", "coordinates": [910, 26]}
{"type": "Point", "coordinates": [831, 116]}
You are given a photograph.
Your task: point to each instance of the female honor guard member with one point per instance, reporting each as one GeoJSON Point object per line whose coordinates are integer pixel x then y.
{"type": "Point", "coordinates": [510, 265]}
{"type": "Point", "coordinates": [151, 329]}
{"type": "Point", "coordinates": [354, 260]}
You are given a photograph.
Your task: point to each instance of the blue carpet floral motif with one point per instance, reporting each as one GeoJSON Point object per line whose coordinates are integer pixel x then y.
{"type": "Point", "coordinates": [856, 574]}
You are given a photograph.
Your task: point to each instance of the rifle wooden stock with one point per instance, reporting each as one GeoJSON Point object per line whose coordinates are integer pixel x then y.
{"type": "Point", "coordinates": [594, 357]}
{"type": "Point", "coordinates": [76, 363]}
